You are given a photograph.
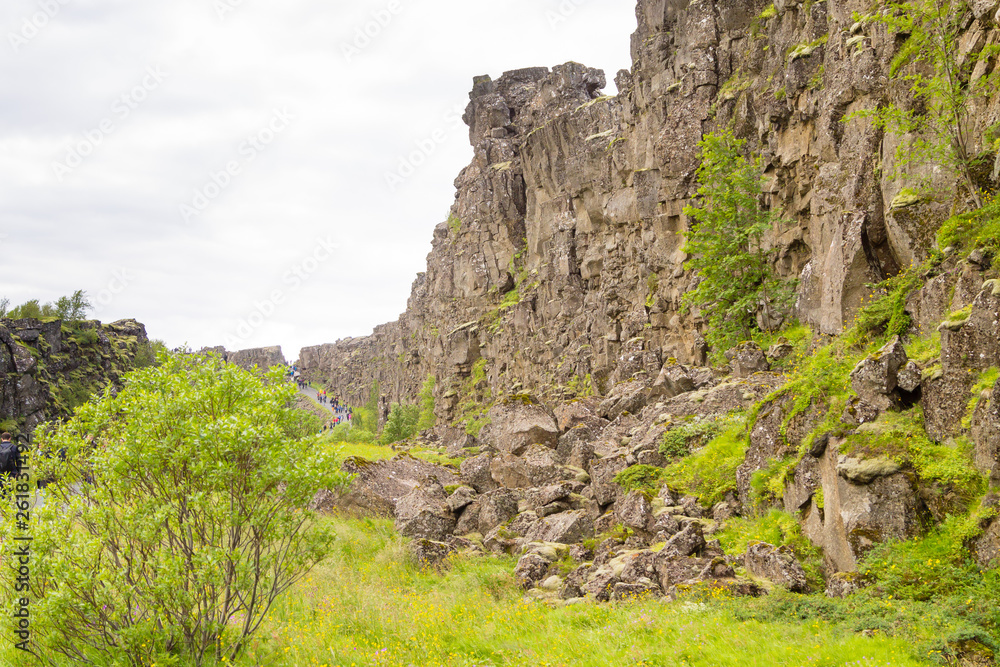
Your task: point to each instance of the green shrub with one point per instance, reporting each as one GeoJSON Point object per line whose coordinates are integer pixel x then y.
{"type": "Point", "coordinates": [176, 519]}
{"type": "Point", "coordinates": [901, 437]}
{"type": "Point", "coordinates": [885, 316]}
{"type": "Point", "coordinates": [680, 440]}
{"type": "Point", "coordinates": [933, 566]}
{"type": "Point", "coordinates": [643, 478]}
{"type": "Point", "coordinates": [976, 229]}
{"type": "Point", "coordinates": [710, 472]}
{"type": "Point", "coordinates": [985, 381]}
{"type": "Point", "coordinates": [401, 424]}
{"type": "Point", "coordinates": [427, 418]}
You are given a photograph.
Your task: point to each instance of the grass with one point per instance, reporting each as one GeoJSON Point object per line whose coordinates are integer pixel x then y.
{"type": "Point", "coordinates": [367, 605]}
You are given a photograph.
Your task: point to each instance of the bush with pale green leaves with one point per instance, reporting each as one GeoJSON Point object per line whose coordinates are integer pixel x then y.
{"type": "Point", "coordinates": [176, 515]}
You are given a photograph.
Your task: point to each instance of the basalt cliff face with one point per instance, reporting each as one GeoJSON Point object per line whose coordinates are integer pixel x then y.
{"type": "Point", "coordinates": [49, 367]}
{"type": "Point", "coordinates": [562, 263]}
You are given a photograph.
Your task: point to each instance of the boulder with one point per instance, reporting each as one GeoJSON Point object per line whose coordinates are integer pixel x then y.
{"type": "Point", "coordinates": [531, 568]}
{"type": "Point", "coordinates": [687, 542]}
{"type": "Point", "coordinates": [517, 423]}
{"type": "Point", "coordinates": [475, 472]}
{"type": "Point", "coordinates": [496, 508]}
{"type": "Point", "coordinates": [630, 397]}
{"type": "Point", "coordinates": [378, 486]}
{"type": "Point", "coordinates": [776, 564]}
{"type": "Point", "coordinates": [564, 528]}
{"type": "Point", "coordinates": [461, 498]}
{"type": "Point", "coordinates": [746, 359]}
{"type": "Point", "coordinates": [602, 472]}
{"type": "Point", "coordinates": [635, 511]}
{"type": "Point", "coordinates": [424, 513]}
{"type": "Point", "coordinates": [429, 553]}
{"type": "Point", "coordinates": [909, 376]}
{"type": "Point", "coordinates": [675, 379]}
{"type": "Point", "coordinates": [574, 585]}
{"type": "Point", "coordinates": [576, 446]}
{"type": "Point", "coordinates": [578, 413]}
{"type": "Point", "coordinates": [639, 590]}
{"type": "Point", "coordinates": [875, 378]}
{"type": "Point", "coordinates": [601, 583]}
{"type": "Point", "coordinates": [537, 466]}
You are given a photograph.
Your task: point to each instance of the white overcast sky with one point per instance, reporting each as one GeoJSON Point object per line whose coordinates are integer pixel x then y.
{"type": "Point", "coordinates": [113, 113]}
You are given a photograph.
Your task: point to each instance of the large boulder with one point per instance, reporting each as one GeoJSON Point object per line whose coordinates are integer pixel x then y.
{"type": "Point", "coordinates": [475, 472]}
{"type": "Point", "coordinates": [517, 423]}
{"type": "Point", "coordinates": [635, 511]}
{"type": "Point", "coordinates": [564, 528]}
{"type": "Point", "coordinates": [630, 397]}
{"type": "Point", "coordinates": [378, 486]}
{"type": "Point", "coordinates": [496, 508]}
{"type": "Point", "coordinates": [531, 568]}
{"type": "Point", "coordinates": [537, 466]}
{"type": "Point", "coordinates": [428, 553]}
{"type": "Point", "coordinates": [424, 513]}
{"type": "Point", "coordinates": [875, 378]}
{"type": "Point", "coordinates": [602, 473]}
{"type": "Point", "coordinates": [746, 359]}
{"type": "Point", "coordinates": [776, 564]}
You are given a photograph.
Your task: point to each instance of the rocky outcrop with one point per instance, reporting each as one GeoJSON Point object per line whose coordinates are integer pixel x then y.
{"type": "Point", "coordinates": [47, 368]}
{"type": "Point", "coordinates": [263, 358]}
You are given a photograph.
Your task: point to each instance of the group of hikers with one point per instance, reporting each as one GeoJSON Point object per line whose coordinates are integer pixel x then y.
{"type": "Point", "coordinates": [342, 414]}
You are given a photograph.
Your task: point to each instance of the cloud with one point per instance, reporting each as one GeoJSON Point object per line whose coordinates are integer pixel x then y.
{"type": "Point", "coordinates": [355, 119]}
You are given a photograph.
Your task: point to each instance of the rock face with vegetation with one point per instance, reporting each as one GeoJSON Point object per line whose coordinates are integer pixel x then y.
{"type": "Point", "coordinates": [609, 440]}
{"type": "Point", "coordinates": [48, 367]}
{"type": "Point", "coordinates": [562, 262]}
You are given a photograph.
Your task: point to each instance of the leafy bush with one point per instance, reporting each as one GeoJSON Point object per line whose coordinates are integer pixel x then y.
{"type": "Point", "coordinates": [936, 565]}
{"type": "Point", "coordinates": [901, 436]}
{"type": "Point", "coordinates": [426, 401]}
{"type": "Point", "coordinates": [710, 472]}
{"type": "Point", "coordinates": [885, 316]}
{"type": "Point", "coordinates": [71, 308]}
{"type": "Point", "coordinates": [401, 424]}
{"type": "Point", "coordinates": [643, 478]}
{"type": "Point", "coordinates": [680, 440]}
{"type": "Point", "coordinates": [176, 518]}
{"type": "Point", "coordinates": [976, 229]}
{"type": "Point", "coordinates": [726, 244]}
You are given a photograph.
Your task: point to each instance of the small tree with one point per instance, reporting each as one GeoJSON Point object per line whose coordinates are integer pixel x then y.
{"type": "Point", "coordinates": [176, 519]}
{"type": "Point", "coordinates": [940, 124]}
{"type": "Point", "coordinates": [427, 417]}
{"type": "Point", "coordinates": [726, 244]}
{"type": "Point", "coordinates": [73, 308]}
{"type": "Point", "coordinates": [401, 424]}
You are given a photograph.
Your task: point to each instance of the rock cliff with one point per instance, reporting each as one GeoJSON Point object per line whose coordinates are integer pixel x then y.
{"type": "Point", "coordinates": [561, 265]}
{"type": "Point", "coordinates": [49, 367]}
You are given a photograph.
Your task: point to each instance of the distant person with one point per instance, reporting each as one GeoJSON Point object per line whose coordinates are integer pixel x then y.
{"type": "Point", "coordinates": [10, 463]}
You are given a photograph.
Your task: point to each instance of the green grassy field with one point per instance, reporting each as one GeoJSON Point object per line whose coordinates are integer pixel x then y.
{"type": "Point", "coordinates": [367, 605]}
